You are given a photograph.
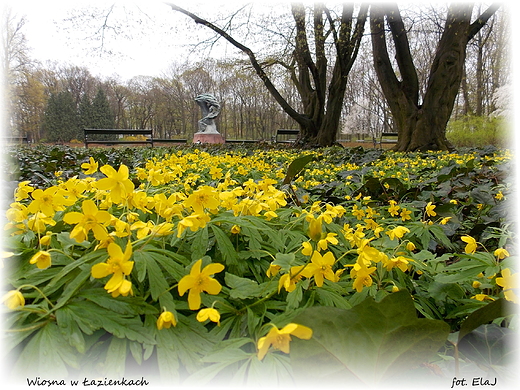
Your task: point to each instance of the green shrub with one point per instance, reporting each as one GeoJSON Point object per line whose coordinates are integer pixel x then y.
{"type": "Point", "coordinates": [479, 131]}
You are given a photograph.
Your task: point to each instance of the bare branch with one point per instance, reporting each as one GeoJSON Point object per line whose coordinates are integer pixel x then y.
{"type": "Point", "coordinates": [482, 20]}
{"type": "Point", "coordinates": [254, 62]}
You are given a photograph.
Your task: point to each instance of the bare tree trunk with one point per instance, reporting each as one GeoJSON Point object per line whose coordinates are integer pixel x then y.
{"type": "Point", "coordinates": [423, 126]}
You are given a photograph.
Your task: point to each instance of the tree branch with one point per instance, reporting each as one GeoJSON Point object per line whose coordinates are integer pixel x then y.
{"type": "Point", "coordinates": [254, 62]}
{"type": "Point", "coordinates": [475, 27]}
{"type": "Point", "coordinates": [403, 55]}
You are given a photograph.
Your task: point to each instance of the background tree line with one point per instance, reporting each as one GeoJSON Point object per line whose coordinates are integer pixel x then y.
{"type": "Point", "coordinates": [53, 102]}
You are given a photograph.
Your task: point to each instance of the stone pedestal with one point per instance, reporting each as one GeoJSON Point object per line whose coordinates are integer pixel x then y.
{"type": "Point", "coordinates": [208, 138]}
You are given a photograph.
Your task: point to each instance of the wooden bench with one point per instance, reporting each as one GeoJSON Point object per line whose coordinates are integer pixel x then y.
{"type": "Point", "coordinates": [170, 140]}
{"type": "Point", "coordinates": [242, 141]}
{"type": "Point", "coordinates": [286, 132]}
{"type": "Point", "coordinates": [17, 140]}
{"type": "Point", "coordinates": [388, 141]}
{"type": "Point", "coordinates": [149, 140]}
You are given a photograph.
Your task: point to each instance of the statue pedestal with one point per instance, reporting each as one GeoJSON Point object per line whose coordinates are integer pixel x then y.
{"type": "Point", "coordinates": [208, 138]}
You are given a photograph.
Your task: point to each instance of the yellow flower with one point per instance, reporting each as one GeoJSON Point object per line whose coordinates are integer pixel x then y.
{"type": "Point", "coordinates": [368, 254]}
{"type": "Point", "coordinates": [209, 313]}
{"type": "Point", "coordinates": [320, 267]}
{"type": "Point", "coordinates": [13, 299]}
{"type": "Point", "coordinates": [445, 220]}
{"type": "Point", "coordinates": [405, 215]}
{"type": "Point", "coordinates": [429, 210]}
{"type": "Point", "coordinates": [361, 273]}
{"type": "Point", "coordinates": [118, 265]}
{"type": "Point", "coordinates": [117, 182]}
{"type": "Point", "coordinates": [509, 283]}
{"type": "Point", "coordinates": [314, 230]}
{"type": "Point", "coordinates": [273, 270]}
{"type": "Point", "coordinates": [393, 209]}
{"type": "Point", "coordinates": [400, 262]}
{"type": "Point", "coordinates": [90, 167]}
{"type": "Point", "coordinates": [124, 289]}
{"type": "Point", "coordinates": [42, 259]}
{"type": "Point", "coordinates": [46, 240]}
{"type": "Point", "coordinates": [280, 339]}
{"type": "Point", "coordinates": [471, 246]}
{"type": "Point", "coordinates": [91, 219]}
{"type": "Point", "coordinates": [307, 248]}
{"type": "Point", "coordinates": [198, 281]}
{"type": "Point", "coordinates": [235, 229]}
{"type": "Point", "coordinates": [410, 246]}
{"type": "Point", "coordinates": [166, 320]}
{"type": "Point", "coordinates": [194, 222]}
{"type": "Point", "coordinates": [482, 297]}
{"type": "Point", "coordinates": [205, 198]}
{"type": "Point", "coordinates": [499, 195]}
{"type": "Point", "coordinates": [397, 232]}
{"type": "Point", "coordinates": [501, 253]}
{"type": "Point", "coordinates": [330, 238]}
{"type": "Point", "coordinates": [23, 190]}
{"type": "Point", "coordinates": [39, 221]}
{"type": "Point", "coordinates": [476, 284]}
{"type": "Point", "coordinates": [270, 215]}
{"type": "Point", "coordinates": [358, 213]}
{"type": "Point", "coordinates": [288, 281]}
{"type": "Point", "coordinates": [47, 201]}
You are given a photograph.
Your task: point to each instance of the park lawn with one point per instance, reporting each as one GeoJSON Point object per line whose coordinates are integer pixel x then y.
{"type": "Point", "coordinates": [239, 264]}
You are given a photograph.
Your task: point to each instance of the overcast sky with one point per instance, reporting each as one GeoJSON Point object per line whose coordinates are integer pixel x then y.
{"type": "Point", "coordinates": [149, 38]}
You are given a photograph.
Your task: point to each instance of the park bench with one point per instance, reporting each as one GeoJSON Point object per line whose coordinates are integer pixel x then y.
{"type": "Point", "coordinates": [242, 141]}
{"type": "Point", "coordinates": [17, 140]}
{"type": "Point", "coordinates": [386, 140]}
{"type": "Point", "coordinates": [170, 140]}
{"type": "Point", "coordinates": [149, 140]}
{"type": "Point", "coordinates": [286, 132]}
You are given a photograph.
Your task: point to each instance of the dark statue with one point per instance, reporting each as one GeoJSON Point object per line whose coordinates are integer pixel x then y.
{"type": "Point", "coordinates": [210, 110]}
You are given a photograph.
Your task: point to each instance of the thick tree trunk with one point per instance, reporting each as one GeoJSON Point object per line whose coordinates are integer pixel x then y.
{"type": "Point", "coordinates": [423, 126]}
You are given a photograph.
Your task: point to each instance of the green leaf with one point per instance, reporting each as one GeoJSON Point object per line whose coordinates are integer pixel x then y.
{"type": "Point", "coordinates": [173, 263]}
{"type": "Point", "coordinates": [136, 349]}
{"type": "Point", "coordinates": [327, 297]}
{"type": "Point", "coordinates": [490, 345]}
{"type": "Point", "coordinates": [242, 288]}
{"type": "Point", "coordinates": [70, 329]}
{"type": "Point", "coordinates": [181, 346]}
{"type": "Point", "coordinates": [296, 166]}
{"type": "Point", "coordinates": [47, 353]}
{"type": "Point", "coordinates": [116, 358]}
{"type": "Point", "coordinates": [123, 305]}
{"type": "Point", "coordinates": [226, 248]}
{"type": "Point", "coordinates": [367, 344]}
{"type": "Point", "coordinates": [295, 297]}
{"type": "Point", "coordinates": [484, 315]}
{"type": "Point", "coordinates": [285, 260]}
{"type": "Point", "coordinates": [222, 355]}
{"type": "Point", "coordinates": [90, 317]}
{"type": "Point", "coordinates": [156, 278]}
{"type": "Point", "coordinates": [168, 363]}
{"type": "Point", "coordinates": [200, 243]}
{"type": "Point", "coordinates": [73, 286]}
{"type": "Point", "coordinates": [10, 340]}
{"type": "Point", "coordinates": [61, 277]}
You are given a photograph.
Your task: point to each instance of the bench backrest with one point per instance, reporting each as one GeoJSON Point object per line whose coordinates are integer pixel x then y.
{"type": "Point", "coordinates": [117, 131]}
